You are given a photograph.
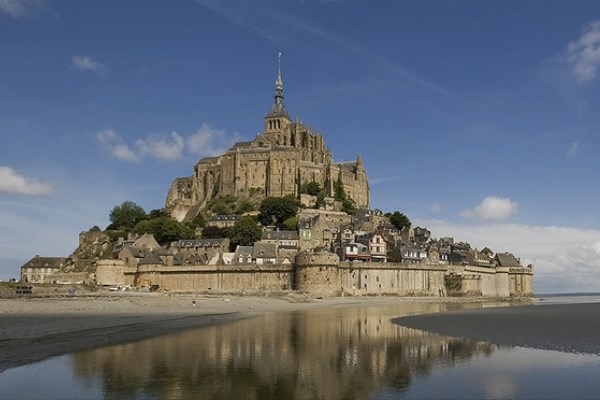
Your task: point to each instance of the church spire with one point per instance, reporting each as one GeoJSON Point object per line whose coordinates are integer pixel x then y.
{"type": "Point", "coordinates": [278, 108]}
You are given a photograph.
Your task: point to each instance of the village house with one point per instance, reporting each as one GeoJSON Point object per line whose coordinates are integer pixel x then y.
{"type": "Point", "coordinates": [376, 245]}
{"type": "Point", "coordinates": [356, 252]}
{"type": "Point", "coordinates": [283, 239]}
{"type": "Point", "coordinates": [223, 220]}
{"type": "Point", "coordinates": [40, 269]}
{"type": "Point", "coordinates": [207, 248]}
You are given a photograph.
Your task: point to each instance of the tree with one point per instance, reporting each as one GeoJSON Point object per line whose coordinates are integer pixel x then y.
{"type": "Point", "coordinates": [348, 205]}
{"type": "Point", "coordinates": [126, 216]}
{"type": "Point", "coordinates": [312, 188]}
{"type": "Point", "coordinates": [199, 221]}
{"type": "Point", "coordinates": [398, 220]}
{"type": "Point", "coordinates": [275, 210]}
{"type": "Point", "coordinates": [95, 228]}
{"type": "Point", "coordinates": [245, 232]}
{"type": "Point", "coordinates": [213, 232]}
{"type": "Point", "coordinates": [291, 224]}
{"type": "Point", "coordinates": [165, 229]}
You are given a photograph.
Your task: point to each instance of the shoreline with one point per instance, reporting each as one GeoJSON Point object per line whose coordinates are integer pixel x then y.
{"type": "Point", "coordinates": [34, 329]}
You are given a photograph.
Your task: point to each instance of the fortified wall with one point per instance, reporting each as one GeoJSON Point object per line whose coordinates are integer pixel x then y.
{"type": "Point", "coordinates": [322, 274]}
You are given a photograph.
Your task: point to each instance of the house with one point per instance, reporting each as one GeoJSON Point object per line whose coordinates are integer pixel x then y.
{"type": "Point", "coordinates": [283, 239]}
{"type": "Point", "coordinates": [264, 253]}
{"type": "Point", "coordinates": [242, 255]}
{"type": "Point", "coordinates": [207, 248]}
{"type": "Point", "coordinates": [484, 258]}
{"type": "Point", "coordinates": [356, 252]}
{"type": "Point", "coordinates": [40, 269]}
{"type": "Point", "coordinates": [507, 260]}
{"type": "Point", "coordinates": [376, 244]}
{"type": "Point", "coordinates": [223, 220]}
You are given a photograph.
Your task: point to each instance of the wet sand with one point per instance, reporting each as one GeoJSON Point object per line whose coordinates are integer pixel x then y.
{"type": "Point", "coordinates": [573, 328]}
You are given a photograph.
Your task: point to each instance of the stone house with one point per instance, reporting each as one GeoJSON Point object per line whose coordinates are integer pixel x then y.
{"type": "Point", "coordinates": [40, 269]}
{"type": "Point", "coordinates": [507, 260]}
{"type": "Point", "coordinates": [223, 221]}
{"type": "Point", "coordinates": [206, 248]}
{"type": "Point", "coordinates": [243, 255]}
{"type": "Point", "coordinates": [264, 253]}
{"type": "Point", "coordinates": [283, 239]}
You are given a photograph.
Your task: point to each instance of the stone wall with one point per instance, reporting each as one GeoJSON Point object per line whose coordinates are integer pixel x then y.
{"type": "Point", "coordinates": [379, 279]}
{"type": "Point", "coordinates": [217, 278]}
{"type": "Point", "coordinates": [322, 274]}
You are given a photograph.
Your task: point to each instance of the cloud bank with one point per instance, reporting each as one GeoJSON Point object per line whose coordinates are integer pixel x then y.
{"type": "Point", "coordinates": [13, 183]}
{"type": "Point", "coordinates": [206, 141]}
{"type": "Point", "coordinates": [492, 208]}
{"type": "Point", "coordinates": [584, 53]}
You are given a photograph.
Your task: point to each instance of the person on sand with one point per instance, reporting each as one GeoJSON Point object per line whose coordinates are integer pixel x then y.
{"type": "Point", "coordinates": [194, 303]}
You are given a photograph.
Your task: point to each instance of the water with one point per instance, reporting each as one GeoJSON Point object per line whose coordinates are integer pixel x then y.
{"type": "Point", "coordinates": [337, 353]}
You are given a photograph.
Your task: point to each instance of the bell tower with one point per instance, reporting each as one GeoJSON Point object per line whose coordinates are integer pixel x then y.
{"type": "Point", "coordinates": [277, 118]}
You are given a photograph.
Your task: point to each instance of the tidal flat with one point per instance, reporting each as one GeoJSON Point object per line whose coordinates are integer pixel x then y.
{"type": "Point", "coordinates": [159, 347]}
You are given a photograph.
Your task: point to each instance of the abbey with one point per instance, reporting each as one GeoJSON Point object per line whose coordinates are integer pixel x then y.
{"type": "Point", "coordinates": [286, 155]}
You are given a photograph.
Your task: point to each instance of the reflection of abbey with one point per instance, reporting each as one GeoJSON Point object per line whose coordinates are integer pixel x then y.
{"type": "Point", "coordinates": [286, 155]}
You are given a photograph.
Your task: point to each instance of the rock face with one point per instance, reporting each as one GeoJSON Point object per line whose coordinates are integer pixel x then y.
{"type": "Point", "coordinates": [276, 163]}
{"type": "Point", "coordinates": [92, 245]}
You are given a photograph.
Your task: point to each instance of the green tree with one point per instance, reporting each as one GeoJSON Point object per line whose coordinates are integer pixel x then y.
{"type": "Point", "coordinates": [244, 206]}
{"type": "Point", "coordinates": [213, 232]}
{"type": "Point", "coordinates": [398, 220]}
{"type": "Point", "coordinates": [275, 210]}
{"type": "Point", "coordinates": [165, 229]}
{"type": "Point", "coordinates": [126, 216]}
{"type": "Point", "coordinates": [223, 204]}
{"type": "Point", "coordinates": [312, 188]}
{"type": "Point", "coordinates": [291, 224]}
{"type": "Point", "coordinates": [245, 232]}
{"type": "Point", "coordinates": [199, 221]}
{"type": "Point", "coordinates": [348, 205]}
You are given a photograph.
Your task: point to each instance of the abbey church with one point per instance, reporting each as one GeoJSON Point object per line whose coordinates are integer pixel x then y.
{"type": "Point", "coordinates": [276, 163]}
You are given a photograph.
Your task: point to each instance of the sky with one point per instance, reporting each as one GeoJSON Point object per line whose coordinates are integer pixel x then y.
{"type": "Point", "coordinates": [477, 119]}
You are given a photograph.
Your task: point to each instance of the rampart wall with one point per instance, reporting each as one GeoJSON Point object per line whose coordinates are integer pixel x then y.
{"type": "Point", "coordinates": [323, 274]}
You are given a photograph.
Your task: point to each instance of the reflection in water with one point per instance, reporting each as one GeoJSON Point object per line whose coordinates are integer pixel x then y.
{"type": "Point", "coordinates": [326, 354]}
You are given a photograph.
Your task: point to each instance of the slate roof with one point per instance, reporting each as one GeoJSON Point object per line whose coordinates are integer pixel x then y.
{"type": "Point", "coordinates": [201, 242]}
{"type": "Point", "coordinates": [507, 260]}
{"type": "Point", "coordinates": [150, 258]}
{"type": "Point", "coordinates": [264, 250]}
{"type": "Point", "coordinates": [45, 262]}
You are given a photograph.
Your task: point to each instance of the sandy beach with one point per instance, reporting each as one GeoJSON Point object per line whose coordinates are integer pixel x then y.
{"type": "Point", "coordinates": [569, 328]}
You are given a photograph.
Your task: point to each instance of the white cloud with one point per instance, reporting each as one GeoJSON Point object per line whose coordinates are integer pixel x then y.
{"type": "Point", "coordinates": [207, 141]}
{"type": "Point", "coordinates": [20, 8]}
{"type": "Point", "coordinates": [492, 208]}
{"type": "Point", "coordinates": [13, 183]}
{"type": "Point", "coordinates": [584, 54]}
{"type": "Point", "coordinates": [84, 63]}
{"type": "Point", "coordinates": [564, 259]}
{"type": "Point", "coordinates": [117, 147]}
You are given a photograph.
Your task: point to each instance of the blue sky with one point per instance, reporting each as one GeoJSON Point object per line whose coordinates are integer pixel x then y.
{"type": "Point", "coordinates": [477, 119]}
